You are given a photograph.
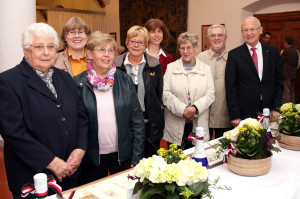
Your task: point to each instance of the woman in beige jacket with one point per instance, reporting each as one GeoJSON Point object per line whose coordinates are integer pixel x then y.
{"type": "Point", "coordinates": [188, 92]}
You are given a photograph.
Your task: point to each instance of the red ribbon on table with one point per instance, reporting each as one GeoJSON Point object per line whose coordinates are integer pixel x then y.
{"type": "Point", "coordinates": [195, 138]}
{"type": "Point", "coordinates": [51, 182]}
{"type": "Point", "coordinates": [231, 150]}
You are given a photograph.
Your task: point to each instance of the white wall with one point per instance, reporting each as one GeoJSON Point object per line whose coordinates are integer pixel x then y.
{"type": "Point", "coordinates": [113, 18]}
{"type": "Point", "coordinates": [231, 13]}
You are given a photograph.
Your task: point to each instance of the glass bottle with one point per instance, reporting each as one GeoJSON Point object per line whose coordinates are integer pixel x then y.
{"type": "Point", "coordinates": [40, 185]}
{"type": "Point", "coordinates": [266, 119]}
{"type": "Point", "coordinates": [199, 154]}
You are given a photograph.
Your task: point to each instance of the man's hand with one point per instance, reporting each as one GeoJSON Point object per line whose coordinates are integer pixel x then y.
{"type": "Point", "coordinates": [59, 168]}
{"type": "Point", "coordinates": [235, 122]}
{"type": "Point", "coordinates": [274, 115]}
{"type": "Point", "coordinates": [189, 112]}
{"type": "Point", "coordinates": [74, 160]}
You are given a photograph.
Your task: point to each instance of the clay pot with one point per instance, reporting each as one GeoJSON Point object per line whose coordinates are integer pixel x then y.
{"type": "Point", "coordinates": [289, 142]}
{"type": "Point", "coordinates": [247, 167]}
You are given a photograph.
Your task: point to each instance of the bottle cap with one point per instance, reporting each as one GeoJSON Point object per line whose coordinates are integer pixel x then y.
{"type": "Point", "coordinates": [266, 112]}
{"type": "Point", "coordinates": [200, 131]}
{"type": "Point", "coordinates": [40, 183]}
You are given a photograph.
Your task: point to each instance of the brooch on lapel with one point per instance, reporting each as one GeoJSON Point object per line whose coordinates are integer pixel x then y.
{"type": "Point", "coordinates": [152, 74]}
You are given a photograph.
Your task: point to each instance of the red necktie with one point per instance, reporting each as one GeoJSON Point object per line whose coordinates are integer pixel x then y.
{"type": "Point", "coordinates": [254, 57]}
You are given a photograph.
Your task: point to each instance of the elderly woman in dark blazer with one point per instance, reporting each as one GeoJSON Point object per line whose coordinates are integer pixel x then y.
{"type": "Point", "coordinates": [146, 74]}
{"type": "Point", "coordinates": [42, 121]}
{"type": "Point", "coordinates": [116, 124]}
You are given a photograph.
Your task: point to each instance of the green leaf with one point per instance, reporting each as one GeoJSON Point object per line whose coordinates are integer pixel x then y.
{"type": "Point", "coordinates": [138, 186]}
{"type": "Point", "coordinates": [197, 188]}
{"type": "Point", "coordinates": [152, 190]}
{"type": "Point", "coordinates": [173, 196]}
{"type": "Point", "coordinates": [170, 187]}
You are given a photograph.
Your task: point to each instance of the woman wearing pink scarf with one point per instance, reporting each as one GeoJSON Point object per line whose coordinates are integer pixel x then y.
{"type": "Point", "coordinates": [116, 124]}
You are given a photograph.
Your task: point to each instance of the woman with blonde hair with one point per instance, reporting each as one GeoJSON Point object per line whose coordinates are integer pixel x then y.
{"type": "Point", "coordinates": [146, 74]}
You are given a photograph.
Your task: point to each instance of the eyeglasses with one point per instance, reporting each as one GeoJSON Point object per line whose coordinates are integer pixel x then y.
{"type": "Point", "coordinates": [252, 30]}
{"type": "Point", "coordinates": [140, 43]}
{"type": "Point", "coordinates": [216, 35]}
{"type": "Point", "coordinates": [189, 48]}
{"type": "Point", "coordinates": [79, 32]}
{"type": "Point", "coordinates": [41, 48]}
{"type": "Point", "coordinates": [102, 51]}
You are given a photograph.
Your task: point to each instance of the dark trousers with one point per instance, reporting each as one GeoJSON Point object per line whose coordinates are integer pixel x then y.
{"type": "Point", "coordinates": [108, 163]}
{"type": "Point", "coordinates": [288, 91]}
{"type": "Point", "coordinates": [150, 147]}
{"type": "Point", "coordinates": [218, 132]}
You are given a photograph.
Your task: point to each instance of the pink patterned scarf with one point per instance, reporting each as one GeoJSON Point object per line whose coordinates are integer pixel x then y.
{"type": "Point", "coordinates": [104, 84]}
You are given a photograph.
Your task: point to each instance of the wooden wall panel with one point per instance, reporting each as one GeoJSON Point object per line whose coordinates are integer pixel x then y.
{"type": "Point", "coordinates": [172, 12]}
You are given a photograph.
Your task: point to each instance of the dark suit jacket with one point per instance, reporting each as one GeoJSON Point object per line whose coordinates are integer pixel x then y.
{"type": "Point", "coordinates": [243, 86]}
{"type": "Point", "coordinates": [35, 125]}
{"type": "Point", "coordinates": [289, 58]}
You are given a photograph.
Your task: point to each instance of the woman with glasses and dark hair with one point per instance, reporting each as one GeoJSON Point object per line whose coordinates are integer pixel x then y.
{"type": "Point", "coordinates": [188, 93]}
{"type": "Point", "coordinates": [146, 74]}
{"type": "Point", "coordinates": [42, 121]}
{"type": "Point", "coordinates": [74, 37]}
{"type": "Point", "coordinates": [159, 37]}
{"type": "Point", "coordinates": [116, 127]}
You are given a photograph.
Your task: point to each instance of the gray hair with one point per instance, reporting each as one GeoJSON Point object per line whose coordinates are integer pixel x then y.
{"type": "Point", "coordinates": [39, 30]}
{"type": "Point", "coordinates": [252, 17]}
{"type": "Point", "coordinates": [186, 36]}
{"type": "Point", "coordinates": [216, 26]}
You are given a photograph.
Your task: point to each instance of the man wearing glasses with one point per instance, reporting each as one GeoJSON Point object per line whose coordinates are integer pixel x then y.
{"type": "Point", "coordinates": [253, 76]}
{"type": "Point", "coordinates": [216, 58]}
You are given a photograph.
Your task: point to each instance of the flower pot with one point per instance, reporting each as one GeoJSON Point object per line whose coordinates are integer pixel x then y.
{"type": "Point", "coordinates": [289, 142]}
{"type": "Point", "coordinates": [247, 167]}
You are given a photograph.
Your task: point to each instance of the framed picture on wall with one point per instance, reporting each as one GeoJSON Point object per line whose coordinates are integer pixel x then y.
{"type": "Point", "coordinates": [114, 35]}
{"type": "Point", "coordinates": [204, 39]}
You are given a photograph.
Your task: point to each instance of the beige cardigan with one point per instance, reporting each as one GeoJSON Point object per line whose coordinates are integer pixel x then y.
{"type": "Point", "coordinates": [63, 62]}
{"type": "Point", "coordinates": [218, 115]}
{"type": "Point", "coordinates": [177, 84]}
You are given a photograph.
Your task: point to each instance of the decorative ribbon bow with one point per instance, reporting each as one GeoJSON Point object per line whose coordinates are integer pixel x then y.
{"type": "Point", "coordinates": [231, 150]}
{"type": "Point", "coordinates": [51, 182]}
{"type": "Point", "coordinates": [195, 138]}
{"type": "Point", "coordinates": [260, 116]}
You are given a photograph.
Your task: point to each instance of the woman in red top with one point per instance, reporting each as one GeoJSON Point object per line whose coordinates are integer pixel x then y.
{"type": "Point", "coordinates": [158, 40]}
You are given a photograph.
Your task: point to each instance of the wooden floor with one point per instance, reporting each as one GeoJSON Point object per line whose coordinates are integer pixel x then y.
{"type": "Point", "coordinates": [4, 191]}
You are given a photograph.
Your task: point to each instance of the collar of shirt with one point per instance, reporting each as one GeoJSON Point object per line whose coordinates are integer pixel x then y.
{"type": "Point", "coordinates": [214, 53]}
{"type": "Point", "coordinates": [161, 52]}
{"type": "Point", "coordinates": [259, 58]}
{"type": "Point", "coordinates": [126, 61]}
{"type": "Point", "coordinates": [258, 48]}
{"type": "Point", "coordinates": [70, 55]}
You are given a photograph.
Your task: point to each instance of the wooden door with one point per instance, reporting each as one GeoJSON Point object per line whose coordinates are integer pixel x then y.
{"type": "Point", "coordinates": [282, 25]}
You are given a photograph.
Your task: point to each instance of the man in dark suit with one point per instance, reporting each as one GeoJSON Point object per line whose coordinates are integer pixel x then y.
{"type": "Point", "coordinates": [253, 76]}
{"type": "Point", "coordinates": [289, 58]}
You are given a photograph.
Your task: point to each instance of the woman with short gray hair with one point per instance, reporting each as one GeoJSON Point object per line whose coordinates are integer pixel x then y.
{"type": "Point", "coordinates": [188, 92]}
{"type": "Point", "coordinates": [42, 122]}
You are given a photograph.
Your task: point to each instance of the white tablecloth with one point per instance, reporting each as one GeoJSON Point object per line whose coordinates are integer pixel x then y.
{"type": "Point", "coordinates": [282, 181]}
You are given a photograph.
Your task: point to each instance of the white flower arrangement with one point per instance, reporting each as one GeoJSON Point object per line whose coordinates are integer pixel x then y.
{"type": "Point", "coordinates": [185, 172]}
